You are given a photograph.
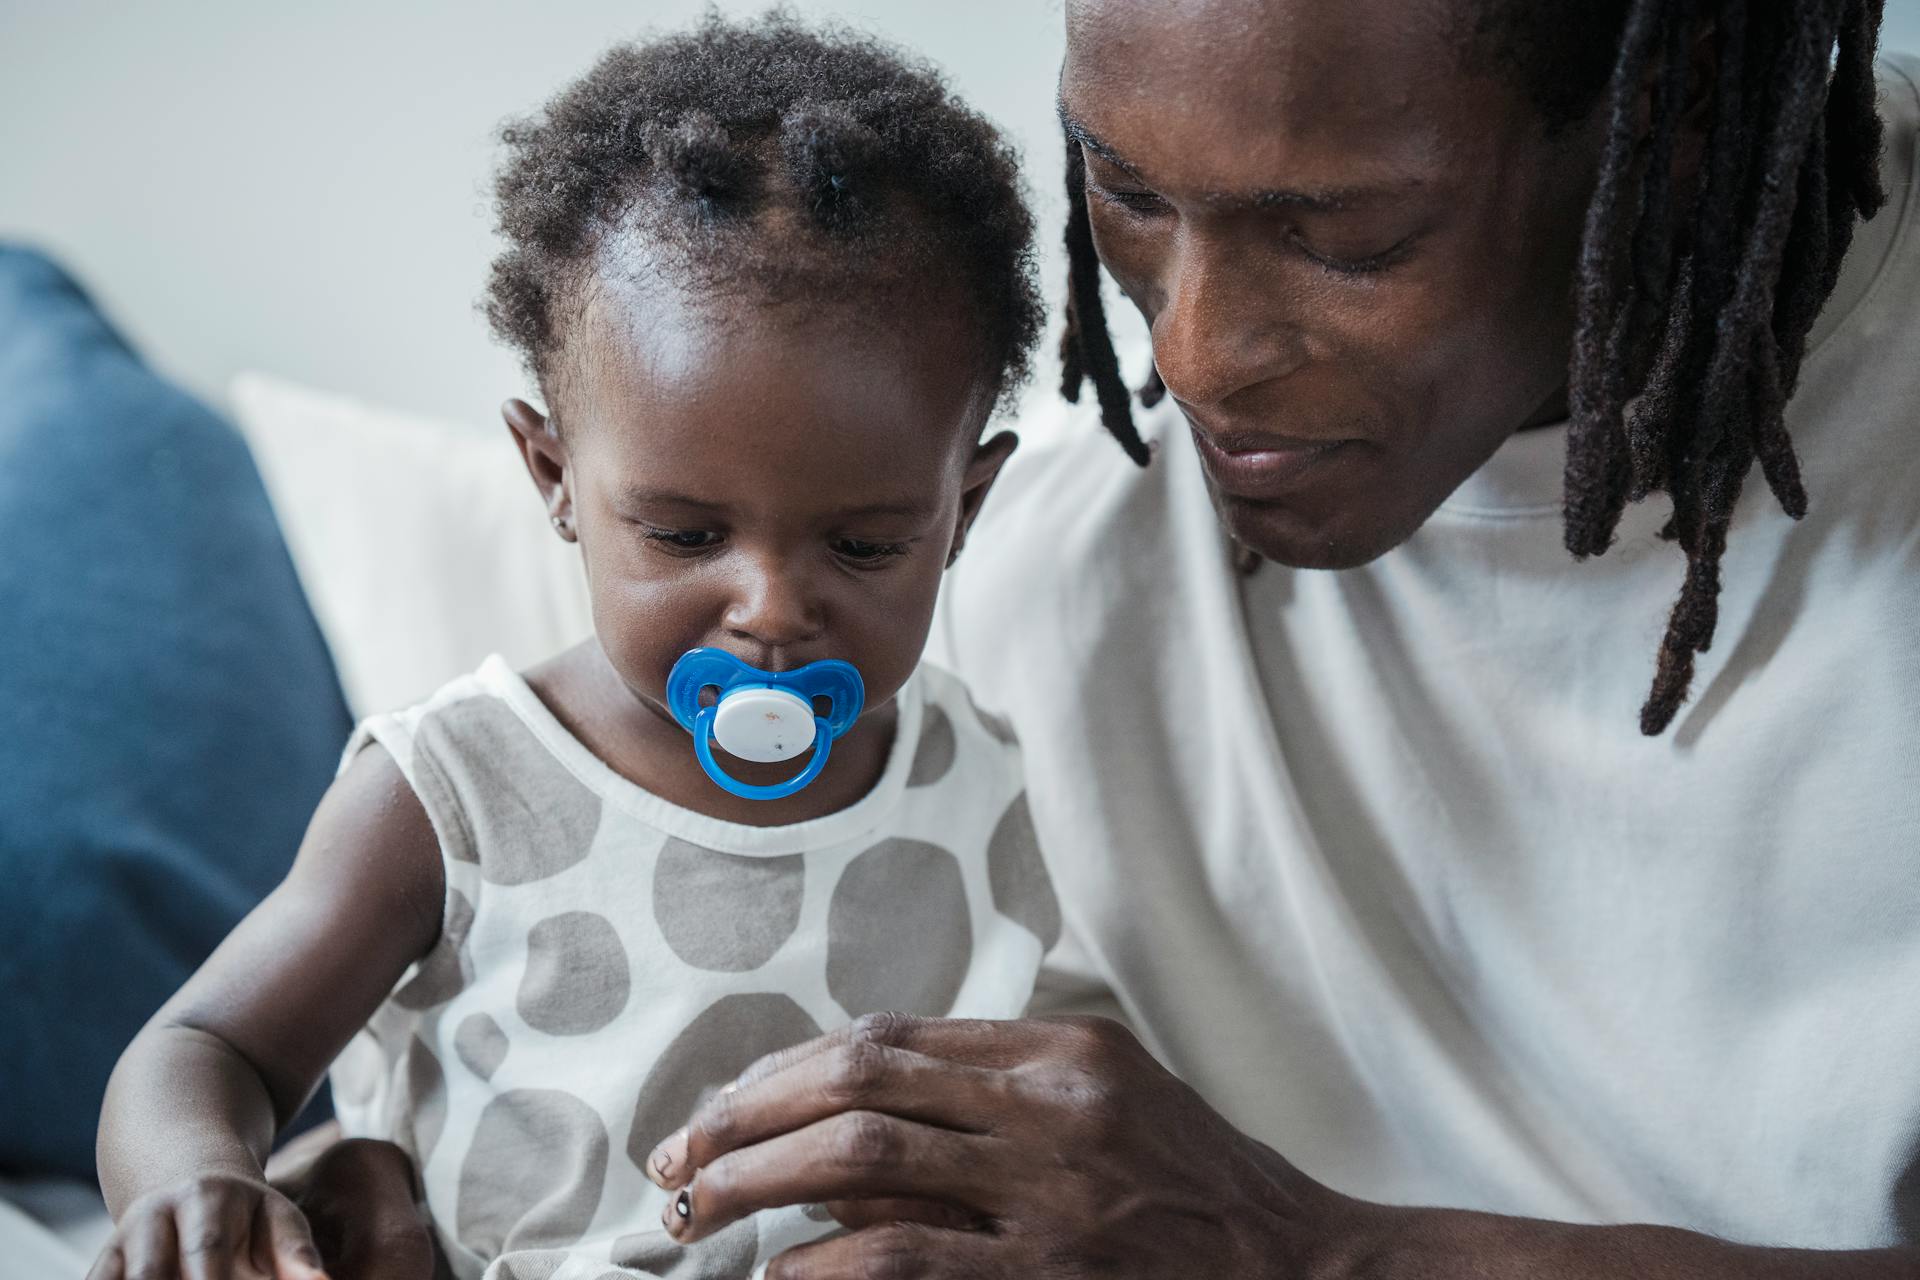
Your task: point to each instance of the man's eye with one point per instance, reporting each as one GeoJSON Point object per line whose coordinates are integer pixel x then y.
{"type": "Point", "coordinates": [862, 550]}
{"type": "Point", "coordinates": [1141, 202]}
{"type": "Point", "coordinates": [1354, 264]}
{"type": "Point", "coordinates": [684, 539]}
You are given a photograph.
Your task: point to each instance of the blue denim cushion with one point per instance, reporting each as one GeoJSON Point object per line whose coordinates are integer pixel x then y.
{"type": "Point", "coordinates": [169, 714]}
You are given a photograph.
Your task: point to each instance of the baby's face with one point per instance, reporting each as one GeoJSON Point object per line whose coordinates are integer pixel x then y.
{"type": "Point", "coordinates": [780, 483]}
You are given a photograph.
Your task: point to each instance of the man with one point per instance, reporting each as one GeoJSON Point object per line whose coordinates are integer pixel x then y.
{"type": "Point", "coordinates": [1457, 959]}
{"type": "Point", "coordinates": [1382, 861]}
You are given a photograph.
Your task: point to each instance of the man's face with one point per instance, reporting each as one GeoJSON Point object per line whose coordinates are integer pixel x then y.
{"type": "Point", "coordinates": [1356, 258]}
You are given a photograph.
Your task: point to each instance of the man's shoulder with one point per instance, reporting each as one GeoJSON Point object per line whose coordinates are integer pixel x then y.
{"type": "Point", "coordinates": [1071, 501]}
{"type": "Point", "coordinates": [1077, 547]}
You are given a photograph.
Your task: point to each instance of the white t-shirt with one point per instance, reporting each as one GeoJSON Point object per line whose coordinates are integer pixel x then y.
{"type": "Point", "coordinates": [1380, 862]}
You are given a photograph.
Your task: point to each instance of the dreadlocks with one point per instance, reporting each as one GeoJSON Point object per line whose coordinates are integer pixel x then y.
{"type": "Point", "coordinates": [1692, 318]}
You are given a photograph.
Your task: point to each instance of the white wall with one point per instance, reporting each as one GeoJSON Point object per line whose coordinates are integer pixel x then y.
{"type": "Point", "coordinates": [301, 188]}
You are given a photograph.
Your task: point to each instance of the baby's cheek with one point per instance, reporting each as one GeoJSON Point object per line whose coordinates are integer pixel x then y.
{"type": "Point", "coordinates": [645, 623]}
{"type": "Point", "coordinates": [893, 637]}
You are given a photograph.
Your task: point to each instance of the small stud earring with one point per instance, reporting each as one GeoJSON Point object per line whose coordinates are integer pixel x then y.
{"type": "Point", "coordinates": [560, 526]}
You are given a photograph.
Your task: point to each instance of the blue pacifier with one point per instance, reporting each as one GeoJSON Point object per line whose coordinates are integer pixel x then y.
{"type": "Point", "coordinates": [763, 716]}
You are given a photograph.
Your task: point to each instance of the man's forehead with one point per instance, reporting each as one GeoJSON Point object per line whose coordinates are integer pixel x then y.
{"type": "Point", "coordinates": [1274, 54]}
{"type": "Point", "coordinates": [1213, 96]}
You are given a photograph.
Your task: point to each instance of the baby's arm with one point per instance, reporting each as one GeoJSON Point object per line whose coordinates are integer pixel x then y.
{"type": "Point", "coordinates": [196, 1099]}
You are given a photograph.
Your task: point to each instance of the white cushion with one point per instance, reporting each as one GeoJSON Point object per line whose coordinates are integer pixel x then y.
{"type": "Point", "coordinates": [422, 544]}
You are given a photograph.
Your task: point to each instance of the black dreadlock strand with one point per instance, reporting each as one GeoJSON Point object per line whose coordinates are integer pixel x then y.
{"type": "Point", "coordinates": [1792, 165]}
{"type": "Point", "coordinates": [1087, 345]}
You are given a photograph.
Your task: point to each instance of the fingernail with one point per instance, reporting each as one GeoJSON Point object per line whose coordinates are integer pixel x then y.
{"type": "Point", "coordinates": [669, 1156]}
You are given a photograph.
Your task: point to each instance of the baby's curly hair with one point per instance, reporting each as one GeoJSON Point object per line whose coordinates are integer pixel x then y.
{"type": "Point", "coordinates": [811, 167]}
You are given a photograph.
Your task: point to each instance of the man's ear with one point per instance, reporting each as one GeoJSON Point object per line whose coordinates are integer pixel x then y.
{"type": "Point", "coordinates": [545, 454]}
{"type": "Point", "coordinates": [982, 470]}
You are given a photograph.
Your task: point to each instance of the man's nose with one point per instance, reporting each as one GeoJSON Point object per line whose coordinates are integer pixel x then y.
{"type": "Point", "coordinates": [772, 606]}
{"type": "Point", "coordinates": [1223, 327]}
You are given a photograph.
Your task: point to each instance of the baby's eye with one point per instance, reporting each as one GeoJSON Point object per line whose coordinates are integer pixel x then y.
{"type": "Point", "coordinates": [859, 549]}
{"type": "Point", "coordinates": [684, 539]}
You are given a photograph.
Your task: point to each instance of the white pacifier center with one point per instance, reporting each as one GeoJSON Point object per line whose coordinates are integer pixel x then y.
{"type": "Point", "coordinates": [763, 725]}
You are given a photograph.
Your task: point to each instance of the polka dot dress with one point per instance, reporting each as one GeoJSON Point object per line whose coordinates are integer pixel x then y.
{"type": "Point", "coordinates": [608, 959]}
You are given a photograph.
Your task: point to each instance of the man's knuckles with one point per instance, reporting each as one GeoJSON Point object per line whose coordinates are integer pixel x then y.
{"type": "Point", "coordinates": [866, 1142]}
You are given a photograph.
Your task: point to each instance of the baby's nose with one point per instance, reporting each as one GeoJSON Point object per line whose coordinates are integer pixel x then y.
{"type": "Point", "coordinates": [773, 610]}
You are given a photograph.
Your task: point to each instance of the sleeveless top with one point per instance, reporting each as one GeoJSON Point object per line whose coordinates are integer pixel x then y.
{"type": "Point", "coordinates": [607, 959]}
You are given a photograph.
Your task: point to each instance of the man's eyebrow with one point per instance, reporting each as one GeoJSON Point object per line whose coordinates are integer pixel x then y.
{"type": "Point", "coordinates": [1329, 200]}
{"type": "Point", "coordinates": [1078, 132]}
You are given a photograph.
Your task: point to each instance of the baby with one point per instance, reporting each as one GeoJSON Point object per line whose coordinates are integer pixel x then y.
{"type": "Point", "coordinates": [772, 285]}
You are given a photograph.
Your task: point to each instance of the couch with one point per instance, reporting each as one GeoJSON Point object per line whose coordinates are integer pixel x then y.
{"type": "Point", "coordinates": [194, 606]}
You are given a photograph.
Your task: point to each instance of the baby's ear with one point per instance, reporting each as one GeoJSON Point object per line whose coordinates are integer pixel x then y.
{"type": "Point", "coordinates": [982, 469]}
{"type": "Point", "coordinates": [545, 454]}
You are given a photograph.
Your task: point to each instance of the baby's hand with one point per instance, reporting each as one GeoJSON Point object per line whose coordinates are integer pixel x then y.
{"type": "Point", "coordinates": [219, 1227]}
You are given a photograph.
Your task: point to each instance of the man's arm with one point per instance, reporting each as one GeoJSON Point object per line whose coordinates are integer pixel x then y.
{"type": "Point", "coordinates": [1082, 1156]}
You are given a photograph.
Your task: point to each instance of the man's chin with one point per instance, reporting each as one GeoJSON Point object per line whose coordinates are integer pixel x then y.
{"type": "Point", "coordinates": [1286, 535]}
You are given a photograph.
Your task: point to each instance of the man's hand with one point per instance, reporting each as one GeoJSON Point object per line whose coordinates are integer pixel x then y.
{"type": "Point", "coordinates": [1060, 1148]}
{"type": "Point", "coordinates": [362, 1199]}
{"type": "Point", "coordinates": [957, 1148]}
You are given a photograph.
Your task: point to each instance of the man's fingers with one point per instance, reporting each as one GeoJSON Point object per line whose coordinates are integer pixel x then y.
{"type": "Point", "coordinates": [855, 1214]}
{"type": "Point", "coordinates": [896, 1249]}
{"type": "Point", "coordinates": [856, 1075]}
{"type": "Point", "coordinates": [852, 1156]}
{"type": "Point", "coordinates": [288, 1167]}
{"type": "Point", "coordinates": [290, 1250]}
{"type": "Point", "coordinates": [979, 1042]}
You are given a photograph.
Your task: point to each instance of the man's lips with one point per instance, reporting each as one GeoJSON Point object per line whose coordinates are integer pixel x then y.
{"type": "Point", "coordinates": [1260, 465]}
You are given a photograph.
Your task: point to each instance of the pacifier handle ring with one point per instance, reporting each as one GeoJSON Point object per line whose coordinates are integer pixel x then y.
{"type": "Point", "coordinates": [703, 748]}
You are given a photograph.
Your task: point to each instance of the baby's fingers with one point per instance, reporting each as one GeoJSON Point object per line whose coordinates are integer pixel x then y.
{"type": "Point", "coordinates": [110, 1265]}
{"type": "Point", "coordinates": [290, 1251]}
{"type": "Point", "coordinates": [214, 1229]}
{"type": "Point", "coordinates": [150, 1247]}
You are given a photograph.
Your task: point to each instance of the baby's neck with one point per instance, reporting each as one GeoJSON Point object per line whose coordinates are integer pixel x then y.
{"type": "Point", "coordinates": [643, 744]}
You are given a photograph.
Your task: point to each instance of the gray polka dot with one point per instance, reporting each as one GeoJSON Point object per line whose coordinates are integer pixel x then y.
{"type": "Point", "coordinates": [727, 1038]}
{"type": "Point", "coordinates": [426, 1099]}
{"type": "Point", "coordinates": [533, 1174]}
{"type": "Point", "coordinates": [728, 1255]}
{"type": "Point", "coordinates": [481, 1044]}
{"type": "Point", "coordinates": [538, 1265]}
{"type": "Point", "coordinates": [532, 817]}
{"type": "Point", "coordinates": [446, 970]}
{"type": "Point", "coordinates": [898, 933]}
{"type": "Point", "coordinates": [934, 756]}
{"type": "Point", "coordinates": [723, 911]}
{"type": "Point", "coordinates": [1022, 889]}
{"type": "Point", "coordinates": [577, 978]}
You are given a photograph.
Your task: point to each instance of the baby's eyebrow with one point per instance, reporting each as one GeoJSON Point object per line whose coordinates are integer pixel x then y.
{"type": "Point", "coordinates": [643, 497]}
{"type": "Point", "coordinates": [869, 510]}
